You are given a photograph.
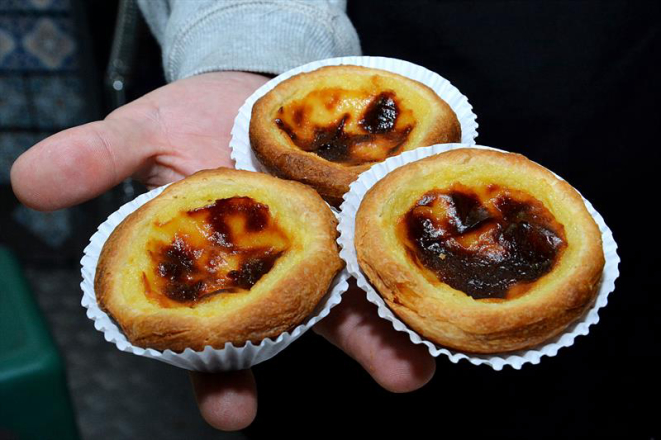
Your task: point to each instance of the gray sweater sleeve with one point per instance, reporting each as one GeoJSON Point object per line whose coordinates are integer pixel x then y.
{"type": "Point", "coordinates": [267, 36]}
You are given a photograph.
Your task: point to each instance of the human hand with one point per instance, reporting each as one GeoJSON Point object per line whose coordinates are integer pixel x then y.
{"type": "Point", "coordinates": [164, 136]}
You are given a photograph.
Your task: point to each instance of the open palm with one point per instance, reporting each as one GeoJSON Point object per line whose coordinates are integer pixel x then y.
{"type": "Point", "coordinates": [164, 136]}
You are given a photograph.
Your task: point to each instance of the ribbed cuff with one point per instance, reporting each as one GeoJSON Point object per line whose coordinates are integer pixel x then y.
{"type": "Point", "coordinates": [259, 36]}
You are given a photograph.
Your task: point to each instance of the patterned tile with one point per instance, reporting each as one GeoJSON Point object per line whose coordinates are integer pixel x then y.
{"type": "Point", "coordinates": [49, 5]}
{"type": "Point", "coordinates": [14, 110]}
{"type": "Point", "coordinates": [58, 101]}
{"type": "Point", "coordinates": [7, 44]}
{"type": "Point", "coordinates": [11, 5]}
{"type": "Point", "coordinates": [40, 43]}
{"type": "Point", "coordinates": [49, 43]}
{"type": "Point", "coordinates": [53, 228]}
{"type": "Point", "coordinates": [38, 5]}
{"type": "Point", "coordinates": [14, 28]}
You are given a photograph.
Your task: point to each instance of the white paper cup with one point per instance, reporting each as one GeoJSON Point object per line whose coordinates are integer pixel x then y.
{"type": "Point", "coordinates": [515, 359]}
{"type": "Point", "coordinates": [209, 359]}
{"type": "Point", "coordinates": [240, 141]}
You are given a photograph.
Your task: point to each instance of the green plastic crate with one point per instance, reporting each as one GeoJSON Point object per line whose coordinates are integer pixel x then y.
{"type": "Point", "coordinates": [34, 399]}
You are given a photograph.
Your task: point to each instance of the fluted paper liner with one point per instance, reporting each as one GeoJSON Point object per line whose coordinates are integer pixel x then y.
{"type": "Point", "coordinates": [228, 358]}
{"type": "Point", "coordinates": [515, 359]}
{"type": "Point", "coordinates": [240, 142]}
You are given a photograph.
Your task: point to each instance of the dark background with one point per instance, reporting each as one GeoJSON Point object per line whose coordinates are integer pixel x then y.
{"type": "Point", "coordinates": [573, 85]}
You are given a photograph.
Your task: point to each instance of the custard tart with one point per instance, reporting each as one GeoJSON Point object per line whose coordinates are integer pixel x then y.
{"type": "Point", "coordinates": [480, 251]}
{"type": "Point", "coordinates": [221, 256]}
{"type": "Point", "coordinates": [325, 127]}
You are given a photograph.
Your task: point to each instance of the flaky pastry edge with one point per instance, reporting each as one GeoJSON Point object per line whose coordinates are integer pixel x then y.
{"type": "Point", "coordinates": [331, 180]}
{"type": "Point", "coordinates": [487, 328]}
{"type": "Point", "coordinates": [289, 302]}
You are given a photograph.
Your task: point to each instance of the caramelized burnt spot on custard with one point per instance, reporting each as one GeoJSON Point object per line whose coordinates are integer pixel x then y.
{"type": "Point", "coordinates": [223, 248]}
{"type": "Point", "coordinates": [489, 242]}
{"type": "Point", "coordinates": [350, 127]}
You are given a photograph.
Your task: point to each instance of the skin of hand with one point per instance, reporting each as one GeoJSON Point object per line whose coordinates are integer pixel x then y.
{"type": "Point", "coordinates": [162, 137]}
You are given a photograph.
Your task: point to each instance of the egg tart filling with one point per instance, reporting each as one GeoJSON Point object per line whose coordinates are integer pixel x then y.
{"type": "Point", "coordinates": [489, 242]}
{"type": "Point", "coordinates": [225, 247]}
{"type": "Point", "coordinates": [222, 256]}
{"type": "Point", "coordinates": [479, 250]}
{"type": "Point", "coordinates": [324, 127]}
{"type": "Point", "coordinates": [348, 127]}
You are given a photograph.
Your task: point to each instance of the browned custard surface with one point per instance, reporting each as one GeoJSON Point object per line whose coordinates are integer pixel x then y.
{"type": "Point", "coordinates": [351, 127]}
{"type": "Point", "coordinates": [490, 242]}
{"type": "Point", "coordinates": [222, 248]}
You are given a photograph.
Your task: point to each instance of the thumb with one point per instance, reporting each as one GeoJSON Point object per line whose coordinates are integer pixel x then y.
{"type": "Point", "coordinates": [228, 400]}
{"type": "Point", "coordinates": [80, 163]}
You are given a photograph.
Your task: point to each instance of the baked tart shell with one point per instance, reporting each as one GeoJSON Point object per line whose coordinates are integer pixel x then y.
{"type": "Point", "coordinates": [434, 122]}
{"type": "Point", "coordinates": [281, 299]}
{"type": "Point", "coordinates": [450, 317]}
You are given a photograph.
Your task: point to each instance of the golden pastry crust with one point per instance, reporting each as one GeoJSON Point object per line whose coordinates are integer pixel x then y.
{"type": "Point", "coordinates": [448, 316]}
{"type": "Point", "coordinates": [342, 98]}
{"type": "Point", "coordinates": [276, 303]}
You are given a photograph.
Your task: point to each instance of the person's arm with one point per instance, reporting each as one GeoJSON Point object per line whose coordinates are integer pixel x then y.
{"type": "Point", "coordinates": [264, 36]}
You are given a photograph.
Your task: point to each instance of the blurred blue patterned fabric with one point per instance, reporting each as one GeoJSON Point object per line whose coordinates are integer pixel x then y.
{"type": "Point", "coordinates": [42, 90]}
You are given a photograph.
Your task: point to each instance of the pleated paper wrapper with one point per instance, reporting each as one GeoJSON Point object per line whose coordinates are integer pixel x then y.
{"type": "Point", "coordinates": [515, 359]}
{"type": "Point", "coordinates": [209, 359]}
{"type": "Point", "coordinates": [240, 141]}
